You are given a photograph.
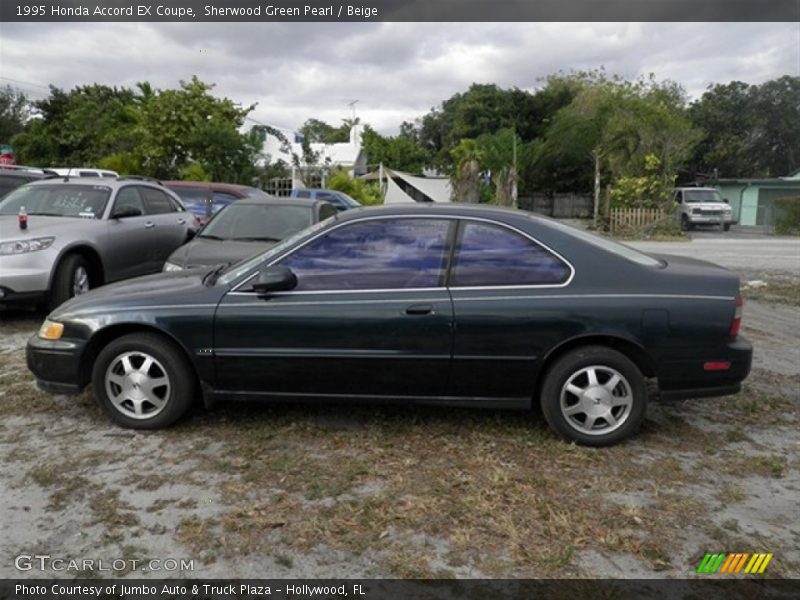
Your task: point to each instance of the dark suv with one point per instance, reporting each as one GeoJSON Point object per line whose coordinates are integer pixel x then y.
{"type": "Point", "coordinates": [13, 176]}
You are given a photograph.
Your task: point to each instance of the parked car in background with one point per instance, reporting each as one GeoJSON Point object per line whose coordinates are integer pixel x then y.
{"type": "Point", "coordinates": [340, 200]}
{"type": "Point", "coordinates": [13, 176]}
{"type": "Point", "coordinates": [85, 172]}
{"type": "Point", "coordinates": [82, 233]}
{"type": "Point", "coordinates": [205, 198]}
{"type": "Point", "coordinates": [440, 304]}
{"type": "Point", "coordinates": [247, 227]}
{"type": "Point", "coordinates": [703, 206]}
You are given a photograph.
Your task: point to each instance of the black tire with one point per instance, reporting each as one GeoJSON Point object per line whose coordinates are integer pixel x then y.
{"type": "Point", "coordinates": [160, 405]}
{"type": "Point", "coordinates": [686, 224]}
{"type": "Point", "coordinates": [64, 281]}
{"type": "Point", "coordinates": [625, 402]}
{"type": "Point", "coordinates": [727, 226]}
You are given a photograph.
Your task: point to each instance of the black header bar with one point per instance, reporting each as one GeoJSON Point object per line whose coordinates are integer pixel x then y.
{"type": "Point", "coordinates": [283, 11]}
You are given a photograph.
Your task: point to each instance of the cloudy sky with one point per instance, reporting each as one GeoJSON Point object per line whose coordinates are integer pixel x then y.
{"type": "Point", "coordinates": [396, 71]}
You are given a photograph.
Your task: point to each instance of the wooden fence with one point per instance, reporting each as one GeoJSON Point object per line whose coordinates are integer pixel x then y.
{"type": "Point", "coordinates": [624, 219]}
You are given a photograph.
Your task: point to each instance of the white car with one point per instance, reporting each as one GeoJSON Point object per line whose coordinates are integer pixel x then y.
{"type": "Point", "coordinates": [703, 206]}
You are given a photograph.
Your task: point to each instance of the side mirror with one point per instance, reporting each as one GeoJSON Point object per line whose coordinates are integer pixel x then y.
{"type": "Point", "coordinates": [126, 211]}
{"type": "Point", "coordinates": [275, 279]}
{"type": "Point", "coordinates": [726, 201]}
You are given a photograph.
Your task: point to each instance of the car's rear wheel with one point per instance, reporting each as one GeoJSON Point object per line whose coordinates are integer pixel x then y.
{"type": "Point", "coordinates": [143, 381]}
{"type": "Point", "coordinates": [594, 396]}
{"type": "Point", "coordinates": [71, 279]}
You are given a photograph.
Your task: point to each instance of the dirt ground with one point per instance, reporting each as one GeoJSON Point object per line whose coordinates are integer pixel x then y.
{"type": "Point", "coordinates": [290, 491]}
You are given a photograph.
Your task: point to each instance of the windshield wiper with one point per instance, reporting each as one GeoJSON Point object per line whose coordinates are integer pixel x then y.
{"type": "Point", "coordinates": [255, 239]}
{"type": "Point", "coordinates": [206, 236]}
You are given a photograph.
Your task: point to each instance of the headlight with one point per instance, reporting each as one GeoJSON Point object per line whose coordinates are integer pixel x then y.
{"type": "Point", "coordinates": [23, 246]}
{"type": "Point", "coordinates": [51, 330]}
{"type": "Point", "coordinates": [168, 266]}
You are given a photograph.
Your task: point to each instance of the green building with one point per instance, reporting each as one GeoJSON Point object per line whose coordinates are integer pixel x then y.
{"type": "Point", "coordinates": [752, 200]}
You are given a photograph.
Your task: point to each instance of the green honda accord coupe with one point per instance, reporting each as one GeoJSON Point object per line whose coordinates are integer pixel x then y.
{"type": "Point", "coordinates": [437, 304]}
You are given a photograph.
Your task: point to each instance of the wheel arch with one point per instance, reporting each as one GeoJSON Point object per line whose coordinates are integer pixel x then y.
{"type": "Point", "coordinates": [103, 337]}
{"type": "Point", "coordinates": [632, 350]}
{"type": "Point", "coordinates": [97, 272]}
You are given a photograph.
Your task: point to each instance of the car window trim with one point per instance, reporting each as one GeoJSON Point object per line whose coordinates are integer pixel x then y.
{"type": "Point", "coordinates": [249, 276]}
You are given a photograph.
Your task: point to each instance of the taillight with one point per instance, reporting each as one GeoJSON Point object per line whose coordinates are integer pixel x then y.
{"type": "Point", "coordinates": [737, 316]}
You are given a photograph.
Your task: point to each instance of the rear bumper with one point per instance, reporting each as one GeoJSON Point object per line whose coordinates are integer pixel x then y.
{"type": "Point", "coordinates": [680, 377]}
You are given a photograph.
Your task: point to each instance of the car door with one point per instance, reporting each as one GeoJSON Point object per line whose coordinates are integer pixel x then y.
{"type": "Point", "coordinates": [504, 321]}
{"type": "Point", "coordinates": [169, 223]}
{"type": "Point", "coordinates": [370, 316]}
{"type": "Point", "coordinates": [129, 248]}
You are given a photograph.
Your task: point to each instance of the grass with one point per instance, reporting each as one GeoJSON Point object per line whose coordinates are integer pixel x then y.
{"type": "Point", "coordinates": [780, 291]}
{"type": "Point", "coordinates": [420, 492]}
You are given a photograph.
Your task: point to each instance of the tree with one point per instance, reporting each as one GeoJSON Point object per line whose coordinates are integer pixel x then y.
{"type": "Point", "coordinates": [749, 130]}
{"type": "Point", "coordinates": [179, 126]}
{"type": "Point", "coordinates": [402, 152]}
{"type": "Point", "coordinates": [466, 177]}
{"type": "Point", "coordinates": [616, 124]}
{"type": "Point", "coordinates": [505, 155]}
{"type": "Point", "coordinates": [15, 109]}
{"type": "Point", "coordinates": [79, 127]}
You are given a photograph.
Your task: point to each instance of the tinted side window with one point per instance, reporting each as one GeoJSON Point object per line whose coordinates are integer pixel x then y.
{"type": "Point", "coordinates": [128, 197]}
{"type": "Point", "coordinates": [302, 194]}
{"type": "Point", "coordinates": [493, 255]}
{"type": "Point", "coordinates": [156, 201]}
{"type": "Point", "coordinates": [379, 254]}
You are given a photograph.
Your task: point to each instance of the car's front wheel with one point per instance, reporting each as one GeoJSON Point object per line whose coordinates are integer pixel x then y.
{"type": "Point", "coordinates": [71, 279]}
{"type": "Point", "coordinates": [143, 381]}
{"type": "Point", "coordinates": [686, 224]}
{"type": "Point", "coordinates": [594, 396]}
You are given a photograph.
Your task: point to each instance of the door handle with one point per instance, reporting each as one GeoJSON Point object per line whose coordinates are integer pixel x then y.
{"type": "Point", "coordinates": [182, 221]}
{"type": "Point", "coordinates": [420, 309]}
{"type": "Point", "coordinates": [149, 225]}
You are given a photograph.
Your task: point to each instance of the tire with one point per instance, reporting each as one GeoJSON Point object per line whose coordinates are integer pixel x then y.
{"type": "Point", "coordinates": [686, 224]}
{"type": "Point", "coordinates": [71, 279]}
{"type": "Point", "coordinates": [583, 412]}
{"type": "Point", "coordinates": [124, 375]}
{"type": "Point", "coordinates": [727, 226]}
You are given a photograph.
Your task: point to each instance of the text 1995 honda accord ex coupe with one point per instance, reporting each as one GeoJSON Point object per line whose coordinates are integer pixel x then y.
{"type": "Point", "coordinates": [457, 305]}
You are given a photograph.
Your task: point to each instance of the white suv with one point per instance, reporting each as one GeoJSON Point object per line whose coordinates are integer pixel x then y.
{"type": "Point", "coordinates": [703, 206]}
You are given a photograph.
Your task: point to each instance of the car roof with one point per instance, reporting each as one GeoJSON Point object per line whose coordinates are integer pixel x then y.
{"type": "Point", "coordinates": [281, 201]}
{"type": "Point", "coordinates": [438, 208]}
{"type": "Point", "coordinates": [113, 183]}
{"type": "Point", "coordinates": [233, 188]}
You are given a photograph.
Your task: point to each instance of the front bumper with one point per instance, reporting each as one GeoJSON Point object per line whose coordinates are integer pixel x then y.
{"type": "Point", "coordinates": [25, 275]}
{"type": "Point", "coordinates": [680, 377]}
{"type": "Point", "coordinates": [56, 364]}
{"type": "Point", "coordinates": [710, 219]}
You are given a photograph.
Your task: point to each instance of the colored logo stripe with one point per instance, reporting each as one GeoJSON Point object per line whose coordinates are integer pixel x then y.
{"type": "Point", "coordinates": [721, 562]}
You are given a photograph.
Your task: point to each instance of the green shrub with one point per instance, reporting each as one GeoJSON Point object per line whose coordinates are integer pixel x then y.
{"type": "Point", "coordinates": [366, 193]}
{"type": "Point", "coordinates": [788, 215]}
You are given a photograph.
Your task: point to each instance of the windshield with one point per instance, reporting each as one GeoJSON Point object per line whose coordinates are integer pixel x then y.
{"type": "Point", "coordinates": [609, 246]}
{"type": "Point", "coordinates": [58, 200]}
{"type": "Point", "coordinates": [694, 196]}
{"type": "Point", "coordinates": [237, 270]}
{"type": "Point", "coordinates": [258, 222]}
